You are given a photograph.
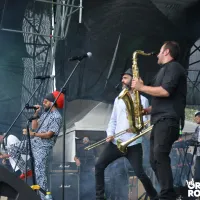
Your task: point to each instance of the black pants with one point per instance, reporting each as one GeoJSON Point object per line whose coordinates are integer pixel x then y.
{"type": "Point", "coordinates": [134, 155]}
{"type": "Point", "coordinates": [197, 170]}
{"type": "Point", "coordinates": [163, 135]}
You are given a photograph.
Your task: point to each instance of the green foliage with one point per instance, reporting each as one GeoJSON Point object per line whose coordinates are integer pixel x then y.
{"type": "Point", "coordinates": [189, 114]}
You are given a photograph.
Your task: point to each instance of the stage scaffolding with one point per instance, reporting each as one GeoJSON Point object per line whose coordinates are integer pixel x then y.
{"type": "Point", "coordinates": [193, 78]}
{"type": "Point", "coordinates": [45, 23]}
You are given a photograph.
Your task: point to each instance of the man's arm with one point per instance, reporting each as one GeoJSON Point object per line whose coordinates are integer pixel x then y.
{"type": "Point", "coordinates": [76, 159]}
{"type": "Point", "coordinates": [154, 91]}
{"type": "Point", "coordinates": [45, 135]}
{"type": "Point", "coordinates": [3, 156]}
{"type": "Point", "coordinates": [167, 87]}
{"type": "Point", "coordinates": [54, 128]}
{"type": "Point", "coordinates": [112, 124]}
{"type": "Point", "coordinates": [145, 104]}
{"type": "Point", "coordinates": [35, 121]}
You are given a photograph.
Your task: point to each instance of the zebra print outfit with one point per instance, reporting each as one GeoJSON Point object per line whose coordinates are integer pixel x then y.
{"type": "Point", "coordinates": [40, 148]}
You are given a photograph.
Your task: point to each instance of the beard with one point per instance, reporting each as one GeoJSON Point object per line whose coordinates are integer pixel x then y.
{"type": "Point", "coordinates": [46, 109]}
{"type": "Point", "coordinates": [126, 86]}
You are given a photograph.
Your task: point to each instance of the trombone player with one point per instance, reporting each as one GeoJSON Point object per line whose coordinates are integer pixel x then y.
{"type": "Point", "coordinates": [118, 122]}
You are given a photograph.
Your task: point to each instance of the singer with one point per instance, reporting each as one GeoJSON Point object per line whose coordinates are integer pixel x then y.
{"type": "Point", "coordinates": [42, 141]}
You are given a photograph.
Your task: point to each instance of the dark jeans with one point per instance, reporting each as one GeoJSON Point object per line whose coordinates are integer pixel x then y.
{"type": "Point", "coordinates": [134, 155]}
{"type": "Point", "coordinates": [163, 135]}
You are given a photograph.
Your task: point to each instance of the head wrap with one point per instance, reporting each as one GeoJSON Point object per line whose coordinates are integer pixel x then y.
{"type": "Point", "coordinates": [52, 96]}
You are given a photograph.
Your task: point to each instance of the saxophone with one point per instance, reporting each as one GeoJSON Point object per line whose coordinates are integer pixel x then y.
{"type": "Point", "coordinates": [134, 106]}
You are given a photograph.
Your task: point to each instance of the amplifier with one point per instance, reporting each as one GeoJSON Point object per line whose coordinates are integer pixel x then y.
{"type": "Point", "coordinates": [71, 187]}
{"type": "Point", "coordinates": [70, 167]}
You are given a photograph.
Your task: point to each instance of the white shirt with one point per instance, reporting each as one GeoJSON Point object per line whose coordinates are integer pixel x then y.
{"type": "Point", "coordinates": [119, 121]}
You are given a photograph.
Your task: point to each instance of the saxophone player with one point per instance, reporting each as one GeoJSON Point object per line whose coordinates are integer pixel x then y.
{"type": "Point", "coordinates": [167, 113]}
{"type": "Point", "coordinates": [118, 122]}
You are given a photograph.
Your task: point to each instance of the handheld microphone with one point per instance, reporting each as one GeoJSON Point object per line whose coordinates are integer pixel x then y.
{"type": "Point", "coordinates": [30, 107]}
{"type": "Point", "coordinates": [44, 77]}
{"type": "Point", "coordinates": [80, 11]}
{"type": "Point", "coordinates": [88, 54]}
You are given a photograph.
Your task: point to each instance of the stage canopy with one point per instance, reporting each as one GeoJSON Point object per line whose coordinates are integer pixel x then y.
{"type": "Point", "coordinates": [112, 30]}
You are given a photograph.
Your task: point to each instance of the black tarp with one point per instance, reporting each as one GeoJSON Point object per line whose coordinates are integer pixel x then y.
{"type": "Point", "coordinates": [142, 24]}
{"type": "Point", "coordinates": [11, 52]}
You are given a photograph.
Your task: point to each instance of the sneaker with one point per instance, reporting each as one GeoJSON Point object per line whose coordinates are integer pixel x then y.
{"type": "Point", "coordinates": [28, 174]}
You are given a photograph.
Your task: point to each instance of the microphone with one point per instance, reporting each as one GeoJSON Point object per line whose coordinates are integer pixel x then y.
{"type": "Point", "coordinates": [80, 11]}
{"type": "Point", "coordinates": [88, 54]}
{"type": "Point", "coordinates": [44, 77]}
{"type": "Point", "coordinates": [30, 107]}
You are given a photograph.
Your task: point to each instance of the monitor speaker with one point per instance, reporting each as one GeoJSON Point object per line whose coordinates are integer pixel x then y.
{"type": "Point", "coordinates": [14, 188]}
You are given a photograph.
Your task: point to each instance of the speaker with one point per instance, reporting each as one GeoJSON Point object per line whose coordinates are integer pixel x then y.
{"type": "Point", "coordinates": [71, 187]}
{"type": "Point", "coordinates": [14, 188]}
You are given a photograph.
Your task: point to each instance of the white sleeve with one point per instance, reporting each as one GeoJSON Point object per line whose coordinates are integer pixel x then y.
{"type": "Point", "coordinates": [145, 104]}
{"type": "Point", "coordinates": [113, 121]}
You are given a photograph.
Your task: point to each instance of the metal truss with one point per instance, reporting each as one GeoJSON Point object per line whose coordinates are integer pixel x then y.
{"type": "Point", "coordinates": [43, 43]}
{"type": "Point", "coordinates": [195, 83]}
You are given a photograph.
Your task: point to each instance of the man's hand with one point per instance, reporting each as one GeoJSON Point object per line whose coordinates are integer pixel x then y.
{"type": "Point", "coordinates": [145, 112]}
{"type": "Point", "coordinates": [110, 138]}
{"type": "Point", "coordinates": [78, 163]}
{"type": "Point", "coordinates": [38, 108]}
{"type": "Point", "coordinates": [25, 132]}
{"type": "Point", "coordinates": [4, 161]}
{"type": "Point", "coordinates": [3, 156]}
{"type": "Point", "coordinates": [137, 84]}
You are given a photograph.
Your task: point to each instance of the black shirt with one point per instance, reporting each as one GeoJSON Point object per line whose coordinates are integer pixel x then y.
{"type": "Point", "coordinates": [172, 77]}
{"type": "Point", "coordinates": [87, 158]}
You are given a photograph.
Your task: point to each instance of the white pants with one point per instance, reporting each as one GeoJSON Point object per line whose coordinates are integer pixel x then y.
{"type": "Point", "coordinates": [40, 156]}
{"type": "Point", "coordinates": [11, 140]}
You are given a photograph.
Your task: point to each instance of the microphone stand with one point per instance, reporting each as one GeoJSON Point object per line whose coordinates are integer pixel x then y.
{"type": "Point", "coordinates": [64, 125]}
{"type": "Point", "coordinates": [64, 130]}
{"type": "Point", "coordinates": [6, 134]}
{"type": "Point", "coordinates": [29, 149]}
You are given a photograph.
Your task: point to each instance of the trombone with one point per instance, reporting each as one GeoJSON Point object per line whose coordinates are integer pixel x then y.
{"type": "Point", "coordinates": [115, 136]}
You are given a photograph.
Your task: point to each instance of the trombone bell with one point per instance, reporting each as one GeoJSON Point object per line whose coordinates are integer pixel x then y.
{"type": "Point", "coordinates": [122, 146]}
